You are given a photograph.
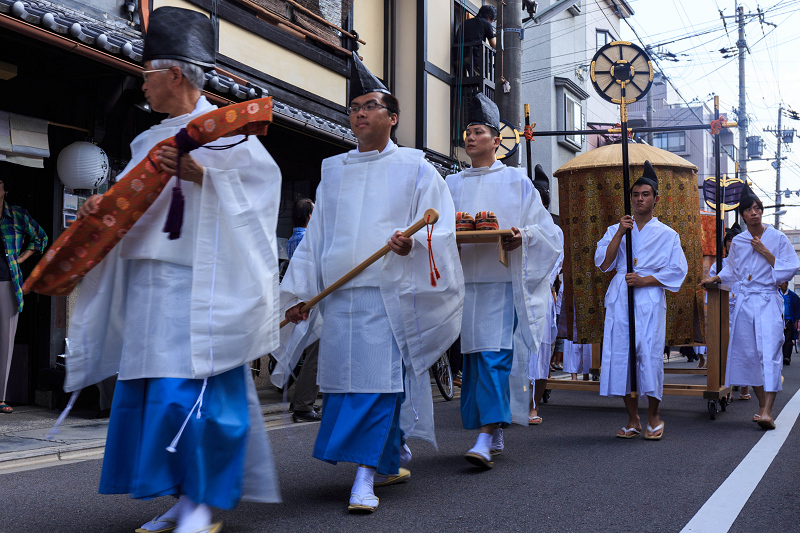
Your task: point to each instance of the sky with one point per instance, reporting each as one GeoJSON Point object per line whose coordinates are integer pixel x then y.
{"type": "Point", "coordinates": [772, 73]}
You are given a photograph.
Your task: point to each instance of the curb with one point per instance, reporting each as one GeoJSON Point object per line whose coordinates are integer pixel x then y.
{"type": "Point", "coordinates": [52, 454]}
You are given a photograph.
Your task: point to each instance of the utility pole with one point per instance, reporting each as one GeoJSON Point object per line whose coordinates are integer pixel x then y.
{"type": "Point", "coordinates": [778, 171]}
{"type": "Point", "coordinates": [777, 164]}
{"type": "Point", "coordinates": [742, 115]}
{"type": "Point", "coordinates": [508, 64]}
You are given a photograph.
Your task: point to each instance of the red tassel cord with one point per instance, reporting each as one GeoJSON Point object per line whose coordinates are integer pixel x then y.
{"type": "Point", "coordinates": [431, 260]}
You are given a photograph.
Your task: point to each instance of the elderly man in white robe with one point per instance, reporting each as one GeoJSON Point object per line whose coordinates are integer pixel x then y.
{"type": "Point", "coordinates": [393, 318]}
{"type": "Point", "coordinates": [502, 306]}
{"type": "Point", "coordinates": [659, 264]}
{"type": "Point", "coordinates": [539, 362]}
{"type": "Point", "coordinates": [760, 259]}
{"type": "Point", "coordinates": [179, 320]}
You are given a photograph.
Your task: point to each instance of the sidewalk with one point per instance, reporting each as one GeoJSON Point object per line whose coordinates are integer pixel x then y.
{"type": "Point", "coordinates": [24, 443]}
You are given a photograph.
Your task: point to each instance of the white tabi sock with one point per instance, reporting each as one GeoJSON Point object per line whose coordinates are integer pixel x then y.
{"type": "Point", "coordinates": [193, 517]}
{"type": "Point", "coordinates": [483, 444]}
{"type": "Point", "coordinates": [363, 483]}
{"type": "Point", "coordinates": [166, 520]}
{"type": "Point", "coordinates": [497, 440]}
{"type": "Point", "coordinates": [405, 456]}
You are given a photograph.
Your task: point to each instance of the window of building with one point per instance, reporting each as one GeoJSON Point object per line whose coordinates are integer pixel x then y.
{"type": "Point", "coordinates": [573, 119]}
{"type": "Point", "coordinates": [603, 38]}
{"type": "Point", "coordinates": [796, 239]}
{"type": "Point", "coordinates": [569, 112]}
{"type": "Point", "coordinates": [674, 141]}
{"type": "Point", "coordinates": [731, 151]}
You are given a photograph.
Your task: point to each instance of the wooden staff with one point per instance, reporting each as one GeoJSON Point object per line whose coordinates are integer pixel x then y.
{"type": "Point", "coordinates": [431, 216]}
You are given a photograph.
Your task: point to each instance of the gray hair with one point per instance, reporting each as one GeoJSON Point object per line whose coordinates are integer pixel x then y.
{"type": "Point", "coordinates": [193, 74]}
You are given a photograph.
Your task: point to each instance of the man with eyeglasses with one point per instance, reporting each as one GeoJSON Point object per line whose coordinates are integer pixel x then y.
{"type": "Point", "coordinates": [384, 329]}
{"type": "Point", "coordinates": [187, 314]}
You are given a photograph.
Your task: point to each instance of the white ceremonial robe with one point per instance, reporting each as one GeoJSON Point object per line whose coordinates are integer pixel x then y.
{"type": "Point", "coordinates": [539, 363]}
{"type": "Point", "coordinates": [578, 359]}
{"type": "Point", "coordinates": [656, 252]}
{"type": "Point", "coordinates": [197, 306]}
{"type": "Point", "coordinates": [494, 294]}
{"type": "Point", "coordinates": [227, 254]}
{"type": "Point", "coordinates": [712, 271]}
{"type": "Point", "coordinates": [754, 350]}
{"type": "Point", "coordinates": [388, 315]}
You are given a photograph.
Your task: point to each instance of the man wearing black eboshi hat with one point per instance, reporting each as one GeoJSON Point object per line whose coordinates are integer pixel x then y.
{"type": "Point", "coordinates": [377, 329]}
{"type": "Point", "coordinates": [658, 264]}
{"type": "Point", "coordinates": [187, 314]}
{"type": "Point", "coordinates": [503, 305]}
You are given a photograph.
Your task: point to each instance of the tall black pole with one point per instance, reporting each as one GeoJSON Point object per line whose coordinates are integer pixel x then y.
{"type": "Point", "coordinates": [626, 185]}
{"type": "Point", "coordinates": [528, 143]}
{"type": "Point", "coordinates": [718, 188]}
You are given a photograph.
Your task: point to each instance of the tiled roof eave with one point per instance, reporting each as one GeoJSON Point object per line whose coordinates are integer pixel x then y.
{"type": "Point", "coordinates": [125, 43]}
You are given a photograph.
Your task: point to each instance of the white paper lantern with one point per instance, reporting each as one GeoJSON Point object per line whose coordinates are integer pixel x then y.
{"type": "Point", "coordinates": [82, 165]}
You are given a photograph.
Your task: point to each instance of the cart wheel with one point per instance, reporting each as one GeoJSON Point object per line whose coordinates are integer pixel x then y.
{"type": "Point", "coordinates": [546, 396]}
{"type": "Point", "coordinates": [723, 404]}
{"type": "Point", "coordinates": [712, 409]}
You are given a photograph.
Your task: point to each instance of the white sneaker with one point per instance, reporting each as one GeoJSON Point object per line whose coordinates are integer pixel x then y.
{"type": "Point", "coordinates": [497, 442]}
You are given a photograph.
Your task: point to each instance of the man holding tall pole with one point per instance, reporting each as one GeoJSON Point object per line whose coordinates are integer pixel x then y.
{"type": "Point", "coordinates": [658, 263]}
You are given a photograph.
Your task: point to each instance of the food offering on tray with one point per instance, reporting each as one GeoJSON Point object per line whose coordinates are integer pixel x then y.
{"type": "Point", "coordinates": [464, 222]}
{"type": "Point", "coordinates": [486, 220]}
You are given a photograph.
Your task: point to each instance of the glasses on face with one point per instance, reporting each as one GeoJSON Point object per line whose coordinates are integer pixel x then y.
{"type": "Point", "coordinates": [146, 73]}
{"type": "Point", "coordinates": [370, 106]}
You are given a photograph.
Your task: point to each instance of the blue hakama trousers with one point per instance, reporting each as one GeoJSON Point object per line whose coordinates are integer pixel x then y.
{"type": "Point", "coordinates": [362, 428]}
{"type": "Point", "coordinates": [485, 392]}
{"type": "Point", "coordinates": [146, 414]}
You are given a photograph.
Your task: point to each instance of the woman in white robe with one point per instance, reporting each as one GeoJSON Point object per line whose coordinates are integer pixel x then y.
{"type": "Point", "coordinates": [760, 259]}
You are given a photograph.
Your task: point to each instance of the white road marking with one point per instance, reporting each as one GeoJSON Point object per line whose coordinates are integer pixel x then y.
{"type": "Point", "coordinates": [719, 513]}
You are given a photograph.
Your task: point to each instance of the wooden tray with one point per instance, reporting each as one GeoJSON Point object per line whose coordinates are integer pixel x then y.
{"type": "Point", "coordinates": [490, 236]}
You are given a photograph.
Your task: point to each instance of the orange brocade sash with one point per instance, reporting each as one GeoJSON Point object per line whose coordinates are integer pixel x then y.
{"type": "Point", "coordinates": [88, 240]}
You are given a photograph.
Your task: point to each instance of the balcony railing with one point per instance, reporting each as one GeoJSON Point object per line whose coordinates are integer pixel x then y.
{"type": "Point", "coordinates": [474, 73]}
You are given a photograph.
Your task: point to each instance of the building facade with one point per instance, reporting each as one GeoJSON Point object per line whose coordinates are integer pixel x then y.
{"type": "Point", "coordinates": [696, 146]}
{"type": "Point", "coordinates": [555, 80]}
{"type": "Point", "coordinates": [76, 65]}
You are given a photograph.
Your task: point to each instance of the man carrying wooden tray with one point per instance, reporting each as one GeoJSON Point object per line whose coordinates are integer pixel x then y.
{"type": "Point", "coordinates": [397, 317]}
{"type": "Point", "coordinates": [505, 308]}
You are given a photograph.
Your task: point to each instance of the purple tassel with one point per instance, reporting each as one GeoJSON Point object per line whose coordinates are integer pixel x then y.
{"type": "Point", "coordinates": [175, 215]}
{"type": "Point", "coordinates": [174, 221]}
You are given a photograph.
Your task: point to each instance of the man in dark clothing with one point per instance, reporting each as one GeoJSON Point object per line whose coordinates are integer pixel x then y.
{"type": "Point", "coordinates": [306, 388]}
{"type": "Point", "coordinates": [791, 317]}
{"type": "Point", "coordinates": [473, 32]}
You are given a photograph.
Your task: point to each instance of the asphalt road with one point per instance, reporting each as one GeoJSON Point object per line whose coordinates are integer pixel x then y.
{"type": "Point", "coordinates": [568, 474]}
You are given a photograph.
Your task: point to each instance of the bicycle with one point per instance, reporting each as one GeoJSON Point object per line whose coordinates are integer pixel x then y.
{"type": "Point", "coordinates": [443, 375]}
